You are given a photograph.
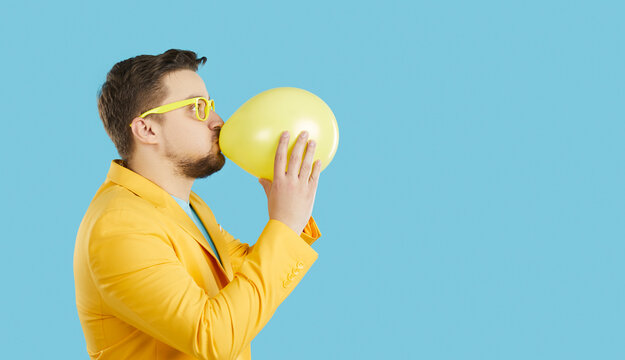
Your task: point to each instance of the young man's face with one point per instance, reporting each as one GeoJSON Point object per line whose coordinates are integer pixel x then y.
{"type": "Point", "coordinates": [190, 144]}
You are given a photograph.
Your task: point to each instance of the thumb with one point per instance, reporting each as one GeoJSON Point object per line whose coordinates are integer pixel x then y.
{"type": "Point", "coordinates": [266, 185]}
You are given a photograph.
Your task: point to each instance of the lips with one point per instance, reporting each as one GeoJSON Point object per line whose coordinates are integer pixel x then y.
{"type": "Point", "coordinates": [216, 134]}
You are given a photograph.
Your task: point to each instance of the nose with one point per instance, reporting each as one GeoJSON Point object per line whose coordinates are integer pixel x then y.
{"type": "Point", "coordinates": [215, 121]}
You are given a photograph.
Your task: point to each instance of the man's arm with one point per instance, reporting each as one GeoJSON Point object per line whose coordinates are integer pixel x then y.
{"type": "Point", "coordinates": [238, 250]}
{"type": "Point", "coordinates": [143, 283]}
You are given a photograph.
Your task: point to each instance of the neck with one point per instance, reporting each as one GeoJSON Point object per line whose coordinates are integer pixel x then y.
{"type": "Point", "coordinates": [162, 174]}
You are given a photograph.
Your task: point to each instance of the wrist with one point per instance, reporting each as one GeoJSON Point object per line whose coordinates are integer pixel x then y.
{"type": "Point", "coordinates": [287, 224]}
{"type": "Point", "coordinates": [291, 224]}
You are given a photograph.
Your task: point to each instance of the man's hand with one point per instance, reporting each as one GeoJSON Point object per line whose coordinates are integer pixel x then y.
{"type": "Point", "coordinates": [291, 195]}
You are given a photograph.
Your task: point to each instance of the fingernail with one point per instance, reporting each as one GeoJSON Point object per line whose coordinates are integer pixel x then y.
{"type": "Point", "coordinates": [285, 134]}
{"type": "Point", "coordinates": [304, 134]}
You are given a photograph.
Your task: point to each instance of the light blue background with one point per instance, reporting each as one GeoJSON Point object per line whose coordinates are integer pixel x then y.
{"type": "Point", "coordinates": [474, 209]}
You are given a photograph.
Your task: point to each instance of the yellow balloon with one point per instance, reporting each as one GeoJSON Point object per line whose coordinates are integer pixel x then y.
{"type": "Point", "coordinates": [250, 136]}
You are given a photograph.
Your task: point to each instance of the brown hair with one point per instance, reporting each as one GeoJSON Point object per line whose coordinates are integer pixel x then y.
{"type": "Point", "coordinates": [133, 86]}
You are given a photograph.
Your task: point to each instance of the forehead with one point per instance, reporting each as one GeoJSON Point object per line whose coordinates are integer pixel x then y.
{"type": "Point", "coordinates": [182, 84]}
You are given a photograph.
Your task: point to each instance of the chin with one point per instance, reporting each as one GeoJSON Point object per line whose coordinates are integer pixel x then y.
{"type": "Point", "coordinates": [202, 167]}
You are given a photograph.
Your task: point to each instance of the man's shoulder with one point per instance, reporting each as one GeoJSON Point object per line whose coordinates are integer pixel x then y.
{"type": "Point", "coordinates": [113, 197]}
{"type": "Point", "coordinates": [115, 206]}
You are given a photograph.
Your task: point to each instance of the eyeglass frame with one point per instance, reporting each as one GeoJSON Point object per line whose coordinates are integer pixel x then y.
{"type": "Point", "coordinates": [210, 103]}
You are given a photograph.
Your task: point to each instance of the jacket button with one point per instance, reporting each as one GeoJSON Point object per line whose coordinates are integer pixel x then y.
{"type": "Point", "coordinates": [291, 276]}
{"type": "Point", "coordinates": [285, 284]}
{"type": "Point", "coordinates": [300, 265]}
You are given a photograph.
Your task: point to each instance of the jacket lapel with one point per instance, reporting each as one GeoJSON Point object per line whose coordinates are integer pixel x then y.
{"type": "Point", "coordinates": [184, 221]}
{"type": "Point", "coordinates": [214, 230]}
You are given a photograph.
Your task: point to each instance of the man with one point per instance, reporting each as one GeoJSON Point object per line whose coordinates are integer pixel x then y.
{"type": "Point", "coordinates": [156, 275]}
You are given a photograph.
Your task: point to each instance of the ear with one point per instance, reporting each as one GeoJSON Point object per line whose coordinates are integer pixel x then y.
{"type": "Point", "coordinates": [145, 130]}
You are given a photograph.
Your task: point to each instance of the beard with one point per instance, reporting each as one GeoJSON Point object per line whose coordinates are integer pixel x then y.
{"type": "Point", "coordinates": [201, 168]}
{"type": "Point", "coordinates": [197, 168]}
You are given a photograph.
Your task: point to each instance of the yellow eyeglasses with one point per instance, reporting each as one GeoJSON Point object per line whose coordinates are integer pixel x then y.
{"type": "Point", "coordinates": [201, 104]}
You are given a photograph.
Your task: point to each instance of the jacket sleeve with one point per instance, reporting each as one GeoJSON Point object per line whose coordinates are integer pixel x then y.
{"type": "Point", "coordinates": [142, 282]}
{"type": "Point", "coordinates": [238, 250]}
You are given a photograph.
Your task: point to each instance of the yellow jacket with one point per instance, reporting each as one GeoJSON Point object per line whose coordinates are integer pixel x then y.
{"type": "Point", "coordinates": [148, 285]}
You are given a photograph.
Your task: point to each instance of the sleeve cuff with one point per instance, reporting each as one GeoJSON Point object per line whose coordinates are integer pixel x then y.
{"type": "Point", "coordinates": [311, 232]}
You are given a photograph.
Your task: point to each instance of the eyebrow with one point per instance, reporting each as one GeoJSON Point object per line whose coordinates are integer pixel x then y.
{"type": "Point", "coordinates": [192, 96]}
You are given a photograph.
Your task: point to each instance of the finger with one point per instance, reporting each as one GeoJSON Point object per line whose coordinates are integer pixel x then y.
{"type": "Point", "coordinates": [295, 162]}
{"type": "Point", "coordinates": [279, 163]}
{"type": "Point", "coordinates": [314, 177]}
{"type": "Point", "coordinates": [304, 172]}
{"type": "Point", "coordinates": [266, 185]}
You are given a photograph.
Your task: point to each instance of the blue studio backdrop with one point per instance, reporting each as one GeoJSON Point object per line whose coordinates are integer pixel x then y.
{"type": "Point", "coordinates": [474, 208]}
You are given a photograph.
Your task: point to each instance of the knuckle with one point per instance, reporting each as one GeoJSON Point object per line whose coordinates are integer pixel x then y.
{"type": "Point", "coordinates": [295, 157]}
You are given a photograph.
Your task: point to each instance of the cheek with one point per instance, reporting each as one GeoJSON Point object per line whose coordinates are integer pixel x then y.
{"type": "Point", "coordinates": [175, 136]}
{"type": "Point", "coordinates": [189, 137]}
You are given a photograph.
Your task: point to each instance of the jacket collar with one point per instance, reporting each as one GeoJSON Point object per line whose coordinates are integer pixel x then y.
{"type": "Point", "coordinates": [136, 183]}
{"type": "Point", "coordinates": [165, 203]}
